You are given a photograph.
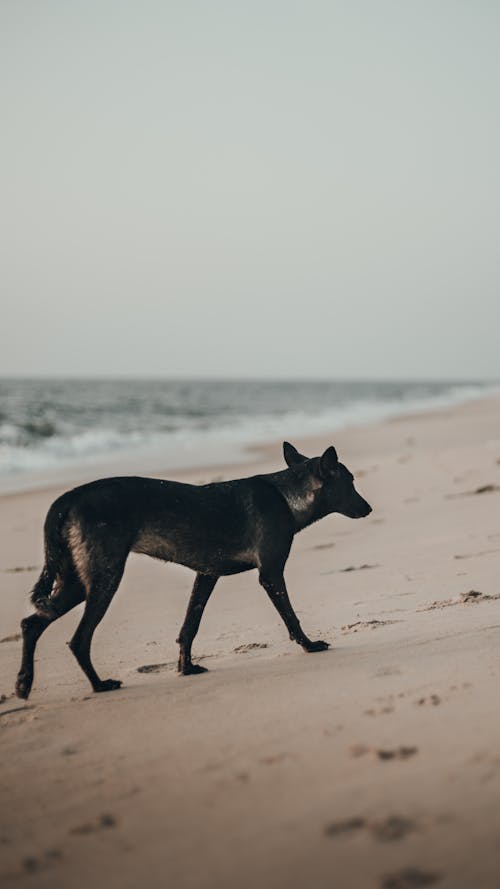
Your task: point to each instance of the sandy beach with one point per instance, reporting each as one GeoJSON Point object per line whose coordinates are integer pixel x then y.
{"type": "Point", "coordinates": [374, 764]}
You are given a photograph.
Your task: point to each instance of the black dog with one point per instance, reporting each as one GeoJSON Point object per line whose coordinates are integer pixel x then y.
{"type": "Point", "coordinates": [216, 529]}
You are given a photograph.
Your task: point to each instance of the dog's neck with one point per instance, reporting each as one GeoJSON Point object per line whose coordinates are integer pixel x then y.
{"type": "Point", "coordinates": [300, 494]}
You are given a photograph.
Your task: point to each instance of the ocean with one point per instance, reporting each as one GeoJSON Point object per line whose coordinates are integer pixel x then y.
{"type": "Point", "coordinates": [54, 426]}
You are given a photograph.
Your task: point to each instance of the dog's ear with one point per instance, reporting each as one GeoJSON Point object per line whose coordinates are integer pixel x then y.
{"type": "Point", "coordinates": [328, 463]}
{"type": "Point", "coordinates": [292, 456]}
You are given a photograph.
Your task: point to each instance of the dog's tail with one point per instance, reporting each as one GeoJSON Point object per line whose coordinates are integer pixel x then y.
{"type": "Point", "coordinates": [55, 550]}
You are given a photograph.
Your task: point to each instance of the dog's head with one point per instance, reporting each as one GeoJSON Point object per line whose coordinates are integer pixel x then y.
{"type": "Point", "coordinates": [331, 481]}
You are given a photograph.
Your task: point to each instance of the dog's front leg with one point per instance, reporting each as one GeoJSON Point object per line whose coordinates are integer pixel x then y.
{"type": "Point", "coordinates": [200, 595]}
{"type": "Point", "coordinates": [275, 587]}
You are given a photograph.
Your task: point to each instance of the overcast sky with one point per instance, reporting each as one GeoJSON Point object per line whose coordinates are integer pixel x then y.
{"type": "Point", "coordinates": [257, 188]}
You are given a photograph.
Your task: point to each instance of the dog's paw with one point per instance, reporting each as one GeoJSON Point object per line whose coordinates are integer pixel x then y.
{"type": "Point", "coordinates": [108, 685]}
{"type": "Point", "coordinates": [23, 685]}
{"type": "Point", "coordinates": [192, 670]}
{"type": "Point", "coordinates": [316, 646]}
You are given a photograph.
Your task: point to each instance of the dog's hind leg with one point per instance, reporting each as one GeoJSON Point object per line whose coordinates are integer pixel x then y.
{"type": "Point", "coordinates": [101, 587]}
{"type": "Point", "coordinates": [275, 587]}
{"type": "Point", "coordinates": [200, 595]}
{"type": "Point", "coordinates": [68, 593]}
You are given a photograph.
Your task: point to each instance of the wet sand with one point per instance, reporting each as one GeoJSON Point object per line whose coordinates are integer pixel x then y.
{"type": "Point", "coordinates": [374, 764]}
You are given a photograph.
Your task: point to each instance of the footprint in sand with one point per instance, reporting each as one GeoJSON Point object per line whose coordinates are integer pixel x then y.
{"type": "Point", "coordinates": [472, 597]}
{"type": "Point", "coordinates": [388, 830]}
{"type": "Point", "coordinates": [393, 828]}
{"type": "Point", "coordinates": [20, 568]}
{"type": "Point", "coordinates": [483, 552]}
{"type": "Point", "coordinates": [483, 489]}
{"type": "Point", "coordinates": [349, 825]}
{"type": "Point", "coordinates": [277, 757]}
{"type": "Point", "coordinates": [31, 863]}
{"type": "Point", "coordinates": [104, 822]}
{"type": "Point", "coordinates": [349, 569]}
{"type": "Point", "coordinates": [385, 755]}
{"type": "Point", "coordinates": [409, 878]}
{"type": "Point", "coordinates": [433, 700]}
{"type": "Point", "coordinates": [356, 568]}
{"type": "Point", "coordinates": [486, 489]}
{"type": "Point", "coordinates": [250, 646]}
{"type": "Point", "coordinates": [366, 624]}
{"type": "Point", "coordinates": [399, 753]}
{"type": "Point", "coordinates": [382, 712]}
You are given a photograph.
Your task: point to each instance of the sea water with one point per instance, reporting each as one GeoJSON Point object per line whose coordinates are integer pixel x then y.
{"type": "Point", "coordinates": [55, 426]}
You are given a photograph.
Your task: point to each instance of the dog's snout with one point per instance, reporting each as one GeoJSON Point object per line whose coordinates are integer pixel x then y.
{"type": "Point", "coordinates": [365, 508]}
{"type": "Point", "coordinates": [361, 508]}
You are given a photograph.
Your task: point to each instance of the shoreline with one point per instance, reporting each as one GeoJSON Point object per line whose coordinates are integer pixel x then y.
{"type": "Point", "coordinates": [352, 767]}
